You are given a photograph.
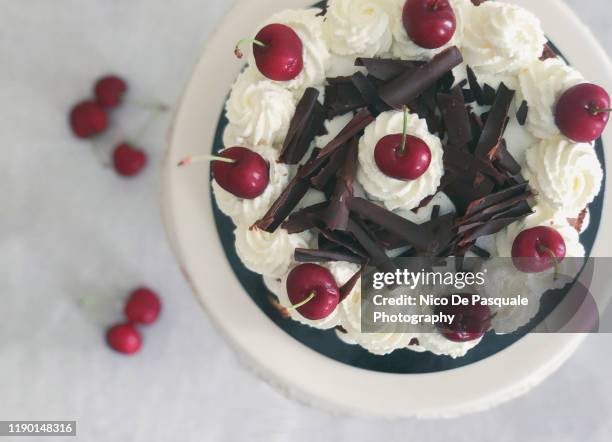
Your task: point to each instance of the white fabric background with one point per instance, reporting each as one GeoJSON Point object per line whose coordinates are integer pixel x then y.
{"type": "Point", "coordinates": [74, 238]}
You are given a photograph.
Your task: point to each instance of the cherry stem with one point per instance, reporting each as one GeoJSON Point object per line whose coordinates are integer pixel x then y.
{"type": "Point", "coordinates": [237, 50]}
{"type": "Point", "coordinates": [203, 158]}
{"type": "Point", "coordinates": [303, 303]}
{"type": "Point", "coordinates": [404, 131]}
{"type": "Point", "coordinates": [595, 110]}
{"type": "Point", "coordinates": [555, 260]}
{"type": "Point", "coordinates": [154, 107]}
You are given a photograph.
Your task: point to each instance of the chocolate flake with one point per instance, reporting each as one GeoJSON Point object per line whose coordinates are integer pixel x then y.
{"type": "Point", "coordinates": [456, 117]}
{"type": "Point", "coordinates": [306, 124]}
{"type": "Point", "coordinates": [548, 52]}
{"type": "Point", "coordinates": [386, 69]}
{"type": "Point", "coordinates": [488, 95]}
{"type": "Point", "coordinates": [369, 93]}
{"type": "Point", "coordinates": [412, 233]}
{"type": "Point", "coordinates": [368, 241]}
{"type": "Point", "coordinates": [522, 113]}
{"type": "Point", "coordinates": [341, 97]}
{"type": "Point", "coordinates": [495, 126]}
{"type": "Point", "coordinates": [408, 86]}
{"type": "Point", "coordinates": [480, 252]}
{"type": "Point", "coordinates": [475, 86]}
{"type": "Point", "coordinates": [337, 214]}
{"type": "Point", "coordinates": [305, 218]}
{"type": "Point", "coordinates": [290, 196]}
{"type": "Point", "coordinates": [349, 285]}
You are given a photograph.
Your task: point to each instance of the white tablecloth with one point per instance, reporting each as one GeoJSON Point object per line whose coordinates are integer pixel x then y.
{"type": "Point", "coordinates": [75, 238]}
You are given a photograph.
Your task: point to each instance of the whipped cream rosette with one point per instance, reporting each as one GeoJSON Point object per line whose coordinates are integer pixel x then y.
{"type": "Point", "coordinates": [394, 193]}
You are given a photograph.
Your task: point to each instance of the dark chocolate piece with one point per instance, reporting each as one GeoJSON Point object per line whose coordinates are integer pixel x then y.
{"type": "Point", "coordinates": [306, 124]}
{"type": "Point", "coordinates": [341, 239]}
{"type": "Point", "coordinates": [327, 173]}
{"type": "Point", "coordinates": [480, 252]}
{"type": "Point", "coordinates": [369, 93]}
{"type": "Point", "coordinates": [521, 114]}
{"type": "Point", "coordinates": [505, 161]}
{"type": "Point", "coordinates": [475, 86]}
{"type": "Point", "coordinates": [386, 69]}
{"type": "Point", "coordinates": [290, 197]}
{"type": "Point", "coordinates": [341, 97]}
{"type": "Point", "coordinates": [547, 52]}
{"type": "Point", "coordinates": [435, 211]}
{"type": "Point", "coordinates": [408, 86]}
{"type": "Point", "coordinates": [412, 233]}
{"type": "Point", "coordinates": [305, 218]}
{"type": "Point", "coordinates": [488, 95]}
{"type": "Point", "coordinates": [456, 117]}
{"type": "Point", "coordinates": [496, 198]}
{"type": "Point", "coordinates": [495, 126]}
{"type": "Point", "coordinates": [359, 122]}
{"type": "Point", "coordinates": [349, 285]}
{"type": "Point", "coordinates": [337, 214]}
{"type": "Point", "coordinates": [376, 253]}
{"type": "Point", "coordinates": [312, 255]}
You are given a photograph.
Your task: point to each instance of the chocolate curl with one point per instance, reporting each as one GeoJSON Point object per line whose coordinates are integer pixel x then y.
{"type": "Point", "coordinates": [522, 113]}
{"type": "Point", "coordinates": [495, 224]}
{"type": "Point", "coordinates": [359, 122]}
{"type": "Point", "coordinates": [337, 214]}
{"type": "Point", "coordinates": [456, 117]}
{"type": "Point", "coordinates": [496, 123]}
{"type": "Point", "coordinates": [412, 233]}
{"type": "Point", "coordinates": [475, 87]}
{"type": "Point", "coordinates": [368, 241]}
{"type": "Point", "coordinates": [340, 239]}
{"type": "Point", "coordinates": [369, 93]}
{"type": "Point", "coordinates": [341, 97]}
{"type": "Point", "coordinates": [505, 161]}
{"type": "Point", "coordinates": [408, 86]}
{"type": "Point", "coordinates": [290, 197]}
{"type": "Point", "coordinates": [306, 124]}
{"type": "Point", "coordinates": [498, 197]}
{"type": "Point", "coordinates": [386, 69]}
{"type": "Point", "coordinates": [305, 219]}
{"type": "Point", "coordinates": [349, 285]}
{"type": "Point", "coordinates": [311, 255]}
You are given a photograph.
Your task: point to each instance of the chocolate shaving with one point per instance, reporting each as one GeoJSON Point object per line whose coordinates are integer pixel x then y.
{"type": "Point", "coordinates": [408, 86]}
{"type": "Point", "coordinates": [306, 124]}
{"type": "Point", "coordinates": [495, 126]}
{"type": "Point", "coordinates": [548, 52]}
{"type": "Point", "coordinates": [488, 95]}
{"type": "Point", "coordinates": [305, 218]}
{"type": "Point", "coordinates": [327, 173]}
{"type": "Point", "coordinates": [578, 223]}
{"type": "Point", "coordinates": [337, 214]}
{"type": "Point", "coordinates": [495, 225]}
{"type": "Point", "coordinates": [496, 198]}
{"type": "Point", "coordinates": [349, 285]}
{"type": "Point", "coordinates": [479, 251]}
{"type": "Point", "coordinates": [387, 69]}
{"type": "Point", "coordinates": [412, 233]}
{"type": "Point", "coordinates": [341, 239]}
{"type": "Point", "coordinates": [475, 86]}
{"type": "Point", "coordinates": [341, 97]}
{"type": "Point", "coordinates": [505, 161]}
{"type": "Point", "coordinates": [456, 117]}
{"type": "Point", "coordinates": [369, 93]}
{"type": "Point", "coordinates": [290, 197]}
{"type": "Point", "coordinates": [359, 122]}
{"type": "Point", "coordinates": [312, 255]}
{"type": "Point", "coordinates": [376, 253]}
{"type": "Point", "coordinates": [522, 113]}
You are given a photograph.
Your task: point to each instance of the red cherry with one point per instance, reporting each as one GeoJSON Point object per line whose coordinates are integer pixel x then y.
{"type": "Point", "coordinates": [536, 250]}
{"type": "Point", "coordinates": [124, 338]}
{"type": "Point", "coordinates": [582, 112]}
{"type": "Point", "coordinates": [128, 161]}
{"type": "Point", "coordinates": [429, 23]}
{"type": "Point", "coordinates": [87, 119]}
{"type": "Point", "coordinates": [143, 306]}
{"type": "Point", "coordinates": [109, 91]}
{"type": "Point", "coordinates": [246, 177]}
{"type": "Point", "coordinates": [471, 321]}
{"type": "Point", "coordinates": [308, 279]}
{"type": "Point", "coordinates": [407, 165]}
{"type": "Point", "coordinates": [278, 52]}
